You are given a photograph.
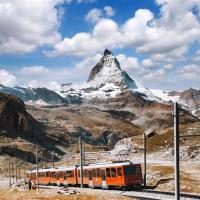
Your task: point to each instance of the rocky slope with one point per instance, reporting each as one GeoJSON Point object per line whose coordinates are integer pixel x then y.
{"type": "Point", "coordinates": [190, 99]}
{"type": "Point", "coordinates": [109, 86]}
{"type": "Point", "coordinates": [108, 108]}
{"type": "Point", "coordinates": [20, 132]}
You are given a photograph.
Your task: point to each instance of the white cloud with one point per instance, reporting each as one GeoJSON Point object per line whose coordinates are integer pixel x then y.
{"type": "Point", "coordinates": [87, 63]}
{"type": "Point", "coordinates": [166, 38]}
{"type": "Point", "coordinates": [168, 66]}
{"type": "Point", "coordinates": [51, 78]}
{"type": "Point", "coordinates": [105, 34]}
{"type": "Point", "coordinates": [52, 85]}
{"type": "Point", "coordinates": [196, 58]}
{"type": "Point", "coordinates": [93, 15]}
{"type": "Point", "coordinates": [34, 70]}
{"type": "Point", "coordinates": [190, 71]}
{"type": "Point", "coordinates": [175, 55]}
{"type": "Point", "coordinates": [7, 79]}
{"type": "Point", "coordinates": [149, 64]}
{"type": "Point", "coordinates": [154, 76]}
{"type": "Point", "coordinates": [34, 84]}
{"type": "Point", "coordinates": [27, 25]}
{"type": "Point", "coordinates": [128, 63]}
{"type": "Point", "coordinates": [109, 11]}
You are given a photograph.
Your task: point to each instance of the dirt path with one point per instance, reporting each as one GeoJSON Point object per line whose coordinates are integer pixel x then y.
{"type": "Point", "coordinates": [51, 194]}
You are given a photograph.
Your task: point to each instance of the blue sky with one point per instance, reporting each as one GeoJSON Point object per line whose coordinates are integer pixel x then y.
{"type": "Point", "coordinates": [46, 43]}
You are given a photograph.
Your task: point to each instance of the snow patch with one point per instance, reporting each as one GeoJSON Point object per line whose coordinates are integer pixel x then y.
{"type": "Point", "coordinates": [39, 102]}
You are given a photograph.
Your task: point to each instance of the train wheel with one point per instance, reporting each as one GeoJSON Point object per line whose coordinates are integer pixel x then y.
{"type": "Point", "coordinates": [123, 188]}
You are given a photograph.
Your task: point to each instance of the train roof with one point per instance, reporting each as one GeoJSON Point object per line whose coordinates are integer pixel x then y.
{"type": "Point", "coordinates": [91, 166]}
{"type": "Point", "coordinates": [53, 169]}
{"type": "Point", "coordinates": [104, 165]}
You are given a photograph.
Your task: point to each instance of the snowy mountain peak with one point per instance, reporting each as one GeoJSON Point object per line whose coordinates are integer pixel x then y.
{"type": "Point", "coordinates": [107, 52]}
{"type": "Point", "coordinates": [108, 71]}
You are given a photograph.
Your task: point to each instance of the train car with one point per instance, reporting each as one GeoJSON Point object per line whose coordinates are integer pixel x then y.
{"type": "Point", "coordinates": [55, 176]}
{"type": "Point", "coordinates": [100, 175]}
{"type": "Point", "coordinates": [112, 175]}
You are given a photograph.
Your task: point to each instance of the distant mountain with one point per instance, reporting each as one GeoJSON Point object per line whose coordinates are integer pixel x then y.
{"type": "Point", "coordinates": [189, 99]}
{"type": "Point", "coordinates": [38, 96]}
{"type": "Point", "coordinates": [110, 87]}
{"type": "Point", "coordinates": [108, 107]}
{"type": "Point", "coordinates": [108, 71]}
{"type": "Point", "coordinates": [106, 80]}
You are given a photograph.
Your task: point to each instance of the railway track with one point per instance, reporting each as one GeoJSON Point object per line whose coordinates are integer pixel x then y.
{"type": "Point", "coordinates": [158, 195]}
{"type": "Point", "coordinates": [143, 194]}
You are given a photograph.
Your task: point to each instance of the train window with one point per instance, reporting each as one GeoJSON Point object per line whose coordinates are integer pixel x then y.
{"type": "Point", "coordinates": [94, 173]}
{"type": "Point", "coordinates": [113, 172]}
{"type": "Point", "coordinates": [98, 173]}
{"type": "Point", "coordinates": [47, 174]}
{"type": "Point", "coordinates": [90, 175]}
{"type": "Point", "coordinates": [64, 175]}
{"type": "Point", "coordinates": [61, 174]}
{"type": "Point", "coordinates": [69, 174]}
{"type": "Point", "coordinates": [108, 172]}
{"type": "Point", "coordinates": [85, 173]}
{"type": "Point", "coordinates": [130, 170]}
{"type": "Point", "coordinates": [119, 171]}
{"type": "Point", "coordinates": [138, 170]}
{"type": "Point", "coordinates": [57, 175]}
{"type": "Point", "coordinates": [103, 174]}
{"type": "Point", "coordinates": [33, 176]}
{"type": "Point", "coordinates": [53, 174]}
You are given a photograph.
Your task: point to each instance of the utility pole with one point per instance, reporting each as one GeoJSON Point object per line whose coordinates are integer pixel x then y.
{"type": "Point", "coordinates": [37, 175]}
{"type": "Point", "coordinates": [9, 172]}
{"type": "Point", "coordinates": [15, 171]}
{"type": "Point", "coordinates": [145, 160]}
{"type": "Point", "coordinates": [12, 172]}
{"type": "Point", "coordinates": [52, 160]}
{"type": "Point", "coordinates": [176, 151]}
{"type": "Point", "coordinates": [81, 160]}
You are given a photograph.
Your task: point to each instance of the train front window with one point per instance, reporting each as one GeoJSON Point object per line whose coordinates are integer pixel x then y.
{"type": "Point", "coordinates": [138, 170]}
{"type": "Point", "coordinates": [129, 170]}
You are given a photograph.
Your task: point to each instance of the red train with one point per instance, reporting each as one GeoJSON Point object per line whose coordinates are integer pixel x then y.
{"type": "Point", "coordinates": [102, 175]}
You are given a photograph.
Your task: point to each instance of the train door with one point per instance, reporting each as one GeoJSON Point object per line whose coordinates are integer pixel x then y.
{"type": "Point", "coordinates": [119, 176]}
{"type": "Point", "coordinates": [103, 177]}
{"type": "Point", "coordinates": [58, 178]}
{"type": "Point", "coordinates": [98, 180]}
{"type": "Point", "coordinates": [91, 185]}
{"type": "Point", "coordinates": [65, 178]}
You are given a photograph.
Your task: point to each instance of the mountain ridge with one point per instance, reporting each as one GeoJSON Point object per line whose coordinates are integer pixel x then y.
{"type": "Point", "coordinates": [106, 82]}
